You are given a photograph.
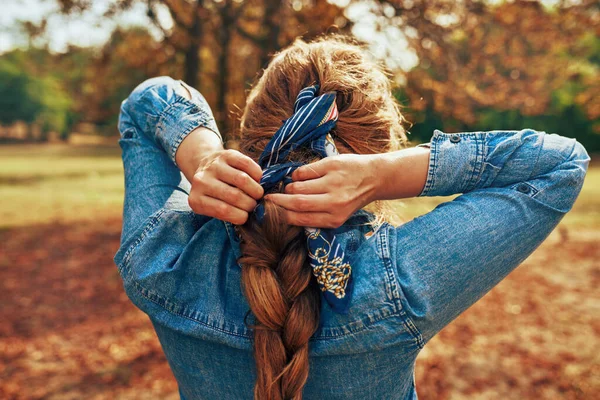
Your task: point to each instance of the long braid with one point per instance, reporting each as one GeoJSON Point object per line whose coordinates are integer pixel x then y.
{"type": "Point", "coordinates": [283, 296]}
{"type": "Point", "coordinates": [276, 275]}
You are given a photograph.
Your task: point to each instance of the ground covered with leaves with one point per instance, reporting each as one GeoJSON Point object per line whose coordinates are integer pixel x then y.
{"type": "Point", "coordinates": [68, 331]}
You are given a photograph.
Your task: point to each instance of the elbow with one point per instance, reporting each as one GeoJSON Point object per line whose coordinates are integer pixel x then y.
{"type": "Point", "coordinates": [578, 162]}
{"type": "Point", "coordinates": [146, 103]}
{"type": "Point", "coordinates": [563, 163]}
{"type": "Point", "coordinates": [565, 153]}
{"type": "Point", "coordinates": [577, 165]}
{"type": "Point", "coordinates": [146, 92]}
{"type": "Point", "coordinates": [571, 174]}
{"type": "Point", "coordinates": [153, 83]}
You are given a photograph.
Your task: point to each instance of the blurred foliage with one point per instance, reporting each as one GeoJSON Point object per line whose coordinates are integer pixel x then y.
{"type": "Point", "coordinates": [508, 67]}
{"type": "Point", "coordinates": [481, 66]}
{"type": "Point", "coordinates": [17, 100]}
{"type": "Point", "coordinates": [217, 46]}
{"type": "Point", "coordinates": [28, 97]}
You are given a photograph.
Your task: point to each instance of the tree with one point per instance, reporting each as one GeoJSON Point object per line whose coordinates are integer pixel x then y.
{"type": "Point", "coordinates": [17, 100]}
{"type": "Point", "coordinates": [31, 99]}
{"type": "Point", "coordinates": [211, 36]}
{"type": "Point", "coordinates": [509, 65]}
{"type": "Point", "coordinates": [129, 57]}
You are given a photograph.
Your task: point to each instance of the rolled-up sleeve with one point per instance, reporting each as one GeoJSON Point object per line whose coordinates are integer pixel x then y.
{"type": "Point", "coordinates": [455, 162]}
{"type": "Point", "coordinates": [158, 110]}
{"type": "Point", "coordinates": [153, 122]}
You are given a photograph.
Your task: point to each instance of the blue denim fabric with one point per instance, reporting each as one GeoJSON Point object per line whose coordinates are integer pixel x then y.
{"type": "Point", "coordinates": [180, 268]}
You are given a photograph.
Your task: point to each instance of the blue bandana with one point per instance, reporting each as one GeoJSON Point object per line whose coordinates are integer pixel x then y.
{"type": "Point", "coordinates": [309, 126]}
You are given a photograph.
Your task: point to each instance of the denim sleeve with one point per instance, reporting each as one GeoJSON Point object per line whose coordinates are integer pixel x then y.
{"type": "Point", "coordinates": [153, 122]}
{"type": "Point", "coordinates": [516, 187]}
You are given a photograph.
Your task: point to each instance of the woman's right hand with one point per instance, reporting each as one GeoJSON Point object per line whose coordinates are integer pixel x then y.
{"type": "Point", "coordinates": [326, 193]}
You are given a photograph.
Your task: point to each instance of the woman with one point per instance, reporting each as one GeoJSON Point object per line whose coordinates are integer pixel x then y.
{"type": "Point", "coordinates": [220, 247]}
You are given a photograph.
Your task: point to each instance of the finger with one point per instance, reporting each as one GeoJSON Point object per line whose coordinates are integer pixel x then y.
{"type": "Point", "coordinates": [300, 202]}
{"type": "Point", "coordinates": [229, 194]}
{"type": "Point", "coordinates": [241, 180]}
{"type": "Point", "coordinates": [216, 208]}
{"type": "Point", "coordinates": [312, 186]}
{"type": "Point", "coordinates": [312, 219]}
{"type": "Point", "coordinates": [311, 171]}
{"type": "Point", "coordinates": [246, 164]}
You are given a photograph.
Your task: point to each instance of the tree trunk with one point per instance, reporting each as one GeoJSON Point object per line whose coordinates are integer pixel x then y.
{"type": "Point", "coordinates": [192, 53]}
{"type": "Point", "coordinates": [223, 73]}
{"type": "Point", "coordinates": [271, 24]}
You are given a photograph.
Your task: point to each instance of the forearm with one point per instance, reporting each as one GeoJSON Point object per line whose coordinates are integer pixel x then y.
{"type": "Point", "coordinates": [527, 161]}
{"type": "Point", "coordinates": [401, 174]}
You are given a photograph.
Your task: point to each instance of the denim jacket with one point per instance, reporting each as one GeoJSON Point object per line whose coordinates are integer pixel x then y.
{"type": "Point", "coordinates": [181, 269]}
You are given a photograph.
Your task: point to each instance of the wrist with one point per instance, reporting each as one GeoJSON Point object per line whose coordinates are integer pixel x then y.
{"type": "Point", "coordinates": [400, 174]}
{"type": "Point", "coordinates": [381, 172]}
{"type": "Point", "coordinates": [196, 146]}
{"type": "Point", "coordinates": [373, 179]}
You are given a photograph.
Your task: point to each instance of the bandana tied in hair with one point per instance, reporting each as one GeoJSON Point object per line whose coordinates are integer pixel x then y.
{"type": "Point", "coordinates": [309, 126]}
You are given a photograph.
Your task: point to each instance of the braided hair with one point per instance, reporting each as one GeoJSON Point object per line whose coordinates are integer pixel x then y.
{"type": "Point", "coordinates": [277, 279]}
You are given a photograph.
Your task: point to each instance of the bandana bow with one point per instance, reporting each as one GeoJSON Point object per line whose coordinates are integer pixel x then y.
{"type": "Point", "coordinates": [309, 126]}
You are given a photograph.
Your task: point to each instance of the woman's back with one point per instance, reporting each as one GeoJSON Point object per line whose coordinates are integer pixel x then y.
{"type": "Point", "coordinates": [184, 275]}
{"type": "Point", "coordinates": [410, 281]}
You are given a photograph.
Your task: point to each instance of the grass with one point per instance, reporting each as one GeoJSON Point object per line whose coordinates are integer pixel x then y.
{"type": "Point", "coordinates": [59, 183]}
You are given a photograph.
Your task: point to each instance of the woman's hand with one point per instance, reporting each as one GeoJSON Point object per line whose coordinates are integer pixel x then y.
{"type": "Point", "coordinates": [226, 186]}
{"type": "Point", "coordinates": [326, 193]}
{"type": "Point", "coordinates": [225, 183]}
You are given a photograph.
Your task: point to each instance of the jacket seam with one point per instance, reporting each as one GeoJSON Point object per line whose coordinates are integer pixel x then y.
{"type": "Point", "coordinates": [161, 302]}
{"type": "Point", "coordinates": [479, 159]}
{"type": "Point", "coordinates": [374, 320]}
{"type": "Point", "coordinates": [200, 107]}
{"type": "Point", "coordinates": [429, 184]}
{"type": "Point", "coordinates": [412, 328]}
{"type": "Point", "coordinates": [170, 112]}
{"type": "Point", "coordinates": [183, 311]}
{"type": "Point", "coordinates": [393, 282]}
{"type": "Point", "coordinates": [537, 160]}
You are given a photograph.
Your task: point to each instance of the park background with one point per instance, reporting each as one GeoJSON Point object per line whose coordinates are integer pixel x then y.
{"type": "Point", "coordinates": [68, 331]}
